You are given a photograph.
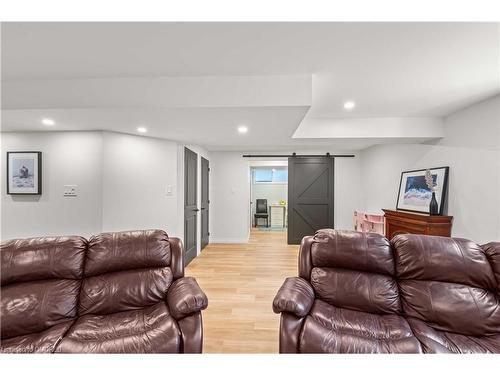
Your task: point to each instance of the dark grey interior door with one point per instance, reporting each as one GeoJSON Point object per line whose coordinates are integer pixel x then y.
{"type": "Point", "coordinates": [205, 202]}
{"type": "Point", "coordinates": [190, 204]}
{"type": "Point", "coordinates": [310, 196]}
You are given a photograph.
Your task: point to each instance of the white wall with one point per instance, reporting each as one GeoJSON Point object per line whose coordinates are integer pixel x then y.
{"type": "Point", "coordinates": [272, 191]}
{"type": "Point", "coordinates": [136, 173]}
{"type": "Point", "coordinates": [348, 190]}
{"type": "Point", "coordinates": [122, 182]}
{"type": "Point", "coordinates": [68, 158]}
{"type": "Point", "coordinates": [471, 147]}
{"type": "Point", "coordinates": [230, 197]}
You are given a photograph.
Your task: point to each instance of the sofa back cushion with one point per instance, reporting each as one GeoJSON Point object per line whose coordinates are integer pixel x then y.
{"type": "Point", "coordinates": [355, 290]}
{"type": "Point", "coordinates": [366, 252]}
{"type": "Point", "coordinates": [447, 282]}
{"type": "Point", "coordinates": [354, 270]}
{"type": "Point", "coordinates": [125, 271]}
{"type": "Point", "coordinates": [41, 279]}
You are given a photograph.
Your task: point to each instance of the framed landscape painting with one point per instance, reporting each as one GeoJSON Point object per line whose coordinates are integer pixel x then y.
{"type": "Point", "coordinates": [24, 172]}
{"type": "Point", "coordinates": [414, 194]}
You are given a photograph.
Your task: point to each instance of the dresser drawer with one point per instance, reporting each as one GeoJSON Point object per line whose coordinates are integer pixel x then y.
{"type": "Point", "coordinates": [398, 222]}
{"type": "Point", "coordinates": [395, 229]}
{"type": "Point", "coordinates": [277, 215]}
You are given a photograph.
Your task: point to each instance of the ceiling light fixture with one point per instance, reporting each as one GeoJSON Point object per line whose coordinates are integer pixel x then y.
{"type": "Point", "coordinates": [142, 129]}
{"type": "Point", "coordinates": [242, 129]}
{"type": "Point", "coordinates": [349, 105]}
{"type": "Point", "coordinates": [48, 122]}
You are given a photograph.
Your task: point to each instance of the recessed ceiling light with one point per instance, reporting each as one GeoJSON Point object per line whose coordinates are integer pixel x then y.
{"type": "Point", "coordinates": [242, 129]}
{"type": "Point", "coordinates": [48, 121]}
{"type": "Point", "coordinates": [142, 129]}
{"type": "Point", "coordinates": [349, 105]}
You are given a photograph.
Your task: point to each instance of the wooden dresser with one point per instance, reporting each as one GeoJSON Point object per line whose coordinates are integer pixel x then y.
{"type": "Point", "coordinates": [399, 222]}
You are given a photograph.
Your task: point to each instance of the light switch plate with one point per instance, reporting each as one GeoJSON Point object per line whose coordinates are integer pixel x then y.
{"type": "Point", "coordinates": [169, 190]}
{"type": "Point", "coordinates": [70, 191]}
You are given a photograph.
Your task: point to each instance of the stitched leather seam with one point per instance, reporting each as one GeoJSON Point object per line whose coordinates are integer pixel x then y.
{"type": "Point", "coordinates": [346, 331]}
{"type": "Point", "coordinates": [141, 332]}
{"type": "Point", "coordinates": [56, 345]}
{"type": "Point", "coordinates": [475, 303]}
{"type": "Point", "coordinates": [127, 269]}
{"type": "Point", "coordinates": [445, 282]}
{"type": "Point", "coordinates": [355, 270]}
{"type": "Point", "coordinates": [437, 342]}
{"type": "Point", "coordinates": [449, 343]}
{"type": "Point", "coordinates": [414, 335]}
{"type": "Point", "coordinates": [82, 279]}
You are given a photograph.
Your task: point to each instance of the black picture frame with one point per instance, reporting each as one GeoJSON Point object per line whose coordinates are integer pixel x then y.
{"type": "Point", "coordinates": [440, 195]}
{"type": "Point", "coordinates": [37, 175]}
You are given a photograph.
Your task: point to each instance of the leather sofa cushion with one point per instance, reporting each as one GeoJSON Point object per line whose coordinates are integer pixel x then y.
{"type": "Point", "coordinates": [39, 342]}
{"type": "Point", "coordinates": [492, 251]}
{"type": "Point", "coordinates": [355, 290]}
{"type": "Point", "coordinates": [329, 329]}
{"type": "Point", "coordinates": [367, 252]}
{"type": "Point", "coordinates": [449, 283]}
{"type": "Point", "coordinates": [42, 258]}
{"type": "Point", "coordinates": [31, 307]}
{"type": "Point", "coordinates": [435, 341]}
{"type": "Point", "coordinates": [451, 307]}
{"type": "Point", "coordinates": [121, 291]}
{"type": "Point", "coordinates": [121, 251]}
{"type": "Point", "coordinates": [452, 260]}
{"type": "Point", "coordinates": [148, 330]}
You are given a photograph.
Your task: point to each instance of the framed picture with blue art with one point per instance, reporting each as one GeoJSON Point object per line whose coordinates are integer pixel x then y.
{"type": "Point", "coordinates": [423, 190]}
{"type": "Point", "coordinates": [24, 172]}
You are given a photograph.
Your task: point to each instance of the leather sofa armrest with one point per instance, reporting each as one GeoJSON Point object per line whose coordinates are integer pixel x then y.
{"type": "Point", "coordinates": [192, 333]}
{"type": "Point", "coordinates": [296, 296]}
{"type": "Point", "coordinates": [185, 297]}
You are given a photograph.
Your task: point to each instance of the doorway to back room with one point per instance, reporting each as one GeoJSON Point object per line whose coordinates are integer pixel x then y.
{"type": "Point", "coordinates": [269, 197]}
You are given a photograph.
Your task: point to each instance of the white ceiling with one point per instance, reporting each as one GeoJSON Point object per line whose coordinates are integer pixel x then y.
{"type": "Point", "coordinates": [389, 69]}
{"type": "Point", "coordinates": [268, 126]}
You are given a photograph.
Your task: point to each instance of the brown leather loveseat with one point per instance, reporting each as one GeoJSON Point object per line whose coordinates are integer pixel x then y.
{"type": "Point", "coordinates": [360, 293]}
{"type": "Point", "coordinates": [116, 293]}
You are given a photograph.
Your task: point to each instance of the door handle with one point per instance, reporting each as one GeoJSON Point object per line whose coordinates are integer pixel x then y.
{"type": "Point", "coordinates": [203, 208]}
{"type": "Point", "coordinates": [195, 210]}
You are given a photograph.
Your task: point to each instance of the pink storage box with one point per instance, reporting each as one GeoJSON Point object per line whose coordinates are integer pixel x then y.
{"type": "Point", "coordinates": [373, 223]}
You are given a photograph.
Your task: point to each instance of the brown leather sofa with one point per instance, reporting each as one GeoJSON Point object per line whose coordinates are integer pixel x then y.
{"type": "Point", "coordinates": [360, 293]}
{"type": "Point", "coordinates": [116, 293]}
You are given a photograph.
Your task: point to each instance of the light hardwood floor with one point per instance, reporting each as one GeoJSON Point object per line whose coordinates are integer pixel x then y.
{"type": "Point", "coordinates": [240, 281]}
